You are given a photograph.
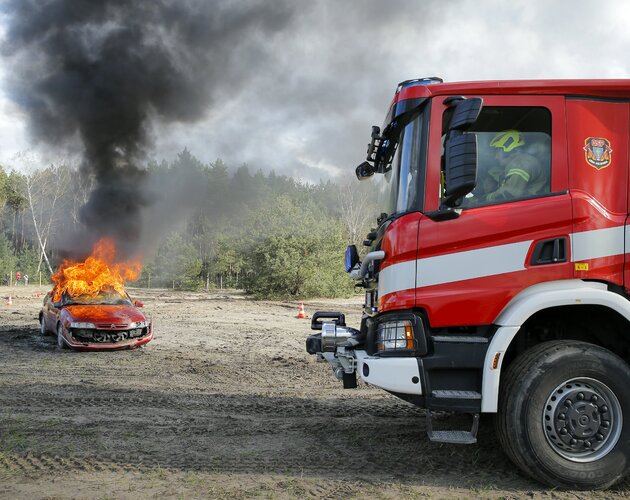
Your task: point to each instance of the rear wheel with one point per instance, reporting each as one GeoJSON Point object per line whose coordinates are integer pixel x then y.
{"type": "Point", "coordinates": [561, 411]}
{"type": "Point", "coordinates": [61, 343]}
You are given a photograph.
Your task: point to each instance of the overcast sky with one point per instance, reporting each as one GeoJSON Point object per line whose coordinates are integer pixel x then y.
{"type": "Point", "coordinates": [329, 71]}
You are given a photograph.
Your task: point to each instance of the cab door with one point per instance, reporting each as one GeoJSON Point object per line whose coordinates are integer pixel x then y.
{"type": "Point", "coordinates": [598, 178]}
{"type": "Point", "coordinates": [470, 266]}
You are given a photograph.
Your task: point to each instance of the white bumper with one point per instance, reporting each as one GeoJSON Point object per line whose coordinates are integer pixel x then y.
{"type": "Point", "coordinates": [392, 374]}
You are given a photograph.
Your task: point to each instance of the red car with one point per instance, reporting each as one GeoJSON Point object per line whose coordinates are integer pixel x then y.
{"type": "Point", "coordinates": [107, 321]}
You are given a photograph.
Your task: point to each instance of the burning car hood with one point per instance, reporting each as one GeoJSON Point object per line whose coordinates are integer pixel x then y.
{"type": "Point", "coordinates": [102, 313]}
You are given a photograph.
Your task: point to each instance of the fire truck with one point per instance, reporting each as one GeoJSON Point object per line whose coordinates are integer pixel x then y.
{"type": "Point", "coordinates": [497, 276]}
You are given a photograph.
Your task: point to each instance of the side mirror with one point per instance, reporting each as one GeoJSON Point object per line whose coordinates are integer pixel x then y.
{"type": "Point", "coordinates": [460, 167]}
{"type": "Point", "coordinates": [466, 113]}
{"type": "Point", "coordinates": [352, 257]}
{"type": "Point", "coordinates": [138, 303]}
{"type": "Point", "coordinates": [460, 150]}
{"type": "Point", "coordinates": [364, 171]}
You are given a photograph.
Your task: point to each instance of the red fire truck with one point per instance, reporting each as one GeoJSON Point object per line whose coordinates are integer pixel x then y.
{"type": "Point", "coordinates": [497, 276]}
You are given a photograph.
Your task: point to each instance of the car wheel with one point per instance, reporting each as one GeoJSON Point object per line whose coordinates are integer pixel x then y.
{"type": "Point", "coordinates": [61, 343]}
{"type": "Point", "coordinates": [42, 327]}
{"type": "Point", "coordinates": [561, 410]}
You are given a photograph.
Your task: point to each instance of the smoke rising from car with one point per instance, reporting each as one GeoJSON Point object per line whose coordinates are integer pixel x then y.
{"type": "Point", "coordinates": [101, 73]}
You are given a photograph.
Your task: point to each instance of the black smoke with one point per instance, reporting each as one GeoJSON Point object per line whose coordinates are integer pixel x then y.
{"type": "Point", "coordinates": [100, 72]}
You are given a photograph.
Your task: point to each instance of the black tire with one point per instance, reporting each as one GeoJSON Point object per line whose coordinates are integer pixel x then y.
{"type": "Point", "coordinates": [61, 343]}
{"type": "Point", "coordinates": [561, 410]}
{"type": "Point", "coordinates": [43, 331]}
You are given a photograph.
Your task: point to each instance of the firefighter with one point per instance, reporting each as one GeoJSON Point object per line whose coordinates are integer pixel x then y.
{"type": "Point", "coordinates": [519, 174]}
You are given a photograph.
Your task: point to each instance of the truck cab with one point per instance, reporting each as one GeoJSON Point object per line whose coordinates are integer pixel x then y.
{"type": "Point", "coordinates": [495, 278]}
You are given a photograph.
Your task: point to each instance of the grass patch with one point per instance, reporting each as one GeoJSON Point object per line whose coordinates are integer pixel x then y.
{"type": "Point", "coordinates": [14, 437]}
{"type": "Point", "coordinates": [53, 422]}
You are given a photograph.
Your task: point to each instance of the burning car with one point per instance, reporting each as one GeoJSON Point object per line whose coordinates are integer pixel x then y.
{"type": "Point", "coordinates": [106, 321]}
{"type": "Point", "coordinates": [89, 309]}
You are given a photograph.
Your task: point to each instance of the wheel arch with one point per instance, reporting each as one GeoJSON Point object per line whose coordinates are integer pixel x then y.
{"type": "Point", "coordinates": [565, 301]}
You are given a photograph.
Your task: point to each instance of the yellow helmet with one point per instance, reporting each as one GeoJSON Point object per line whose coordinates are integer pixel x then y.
{"type": "Point", "coordinates": [508, 140]}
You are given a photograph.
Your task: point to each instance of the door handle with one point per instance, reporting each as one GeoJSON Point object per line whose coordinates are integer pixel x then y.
{"type": "Point", "coordinates": [550, 251]}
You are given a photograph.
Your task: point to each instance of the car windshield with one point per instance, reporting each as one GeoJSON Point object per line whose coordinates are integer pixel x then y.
{"type": "Point", "coordinates": [103, 298]}
{"type": "Point", "coordinates": [401, 188]}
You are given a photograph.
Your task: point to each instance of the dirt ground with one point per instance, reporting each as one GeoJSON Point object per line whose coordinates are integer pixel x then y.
{"type": "Point", "coordinates": [223, 403]}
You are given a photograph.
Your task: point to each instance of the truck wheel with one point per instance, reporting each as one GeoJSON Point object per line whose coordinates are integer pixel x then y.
{"type": "Point", "coordinates": [561, 415]}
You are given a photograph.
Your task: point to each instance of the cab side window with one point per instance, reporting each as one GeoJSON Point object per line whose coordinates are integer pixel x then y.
{"type": "Point", "coordinates": [514, 155]}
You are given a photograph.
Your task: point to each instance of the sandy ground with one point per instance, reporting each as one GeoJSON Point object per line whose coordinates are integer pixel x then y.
{"type": "Point", "coordinates": [224, 403]}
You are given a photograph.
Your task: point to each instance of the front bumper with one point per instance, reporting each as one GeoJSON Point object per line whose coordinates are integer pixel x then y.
{"type": "Point", "coordinates": [102, 346]}
{"type": "Point", "coordinates": [442, 372]}
{"type": "Point", "coordinates": [400, 375]}
{"type": "Point", "coordinates": [392, 374]}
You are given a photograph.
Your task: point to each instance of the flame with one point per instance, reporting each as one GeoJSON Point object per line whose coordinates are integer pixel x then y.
{"type": "Point", "coordinates": [100, 272]}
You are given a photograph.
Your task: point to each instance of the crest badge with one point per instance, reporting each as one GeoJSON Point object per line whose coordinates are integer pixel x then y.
{"type": "Point", "coordinates": [597, 152]}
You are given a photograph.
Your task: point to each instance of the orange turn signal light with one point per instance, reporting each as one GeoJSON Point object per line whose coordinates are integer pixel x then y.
{"type": "Point", "coordinates": [409, 336]}
{"type": "Point", "coordinates": [495, 361]}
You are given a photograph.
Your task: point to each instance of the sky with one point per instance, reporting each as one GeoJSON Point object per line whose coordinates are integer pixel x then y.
{"type": "Point", "coordinates": [299, 96]}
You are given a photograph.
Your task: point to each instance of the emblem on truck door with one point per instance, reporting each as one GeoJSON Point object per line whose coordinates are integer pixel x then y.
{"type": "Point", "coordinates": [597, 152]}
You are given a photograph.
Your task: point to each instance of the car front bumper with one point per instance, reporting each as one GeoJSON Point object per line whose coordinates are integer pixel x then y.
{"type": "Point", "coordinates": [102, 346]}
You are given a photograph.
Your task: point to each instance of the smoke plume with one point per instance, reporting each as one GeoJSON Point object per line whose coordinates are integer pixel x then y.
{"type": "Point", "coordinates": [100, 72]}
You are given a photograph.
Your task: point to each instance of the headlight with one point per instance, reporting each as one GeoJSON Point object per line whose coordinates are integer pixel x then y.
{"type": "Point", "coordinates": [82, 325]}
{"type": "Point", "coordinates": [139, 324]}
{"type": "Point", "coordinates": [392, 335]}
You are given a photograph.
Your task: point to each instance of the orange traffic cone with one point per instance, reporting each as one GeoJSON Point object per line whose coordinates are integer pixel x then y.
{"type": "Point", "coordinates": [301, 313]}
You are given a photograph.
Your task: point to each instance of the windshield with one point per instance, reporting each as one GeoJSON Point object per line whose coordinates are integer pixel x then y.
{"type": "Point", "coordinates": [401, 188]}
{"type": "Point", "coordinates": [103, 298]}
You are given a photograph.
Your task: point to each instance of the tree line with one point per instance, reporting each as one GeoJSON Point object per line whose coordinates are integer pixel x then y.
{"type": "Point", "coordinates": [268, 234]}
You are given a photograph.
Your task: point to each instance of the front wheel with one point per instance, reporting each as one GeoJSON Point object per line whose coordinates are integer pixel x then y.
{"type": "Point", "coordinates": [43, 331]}
{"type": "Point", "coordinates": [561, 415]}
{"type": "Point", "coordinates": [61, 343]}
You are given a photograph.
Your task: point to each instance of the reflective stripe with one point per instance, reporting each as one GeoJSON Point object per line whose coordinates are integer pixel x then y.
{"type": "Point", "coordinates": [518, 171]}
{"type": "Point", "coordinates": [492, 261]}
{"type": "Point", "coordinates": [397, 277]}
{"type": "Point", "coordinates": [472, 264]}
{"type": "Point", "coordinates": [597, 243]}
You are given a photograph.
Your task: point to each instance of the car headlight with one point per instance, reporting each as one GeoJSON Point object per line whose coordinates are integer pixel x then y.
{"type": "Point", "coordinates": [82, 325]}
{"type": "Point", "coordinates": [139, 324]}
{"type": "Point", "coordinates": [393, 335]}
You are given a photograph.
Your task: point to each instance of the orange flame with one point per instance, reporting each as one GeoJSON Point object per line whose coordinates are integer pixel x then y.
{"type": "Point", "coordinates": [99, 272]}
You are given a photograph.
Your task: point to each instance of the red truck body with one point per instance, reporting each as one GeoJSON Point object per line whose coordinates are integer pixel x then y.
{"type": "Point", "coordinates": [466, 297]}
{"type": "Point", "coordinates": [589, 199]}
